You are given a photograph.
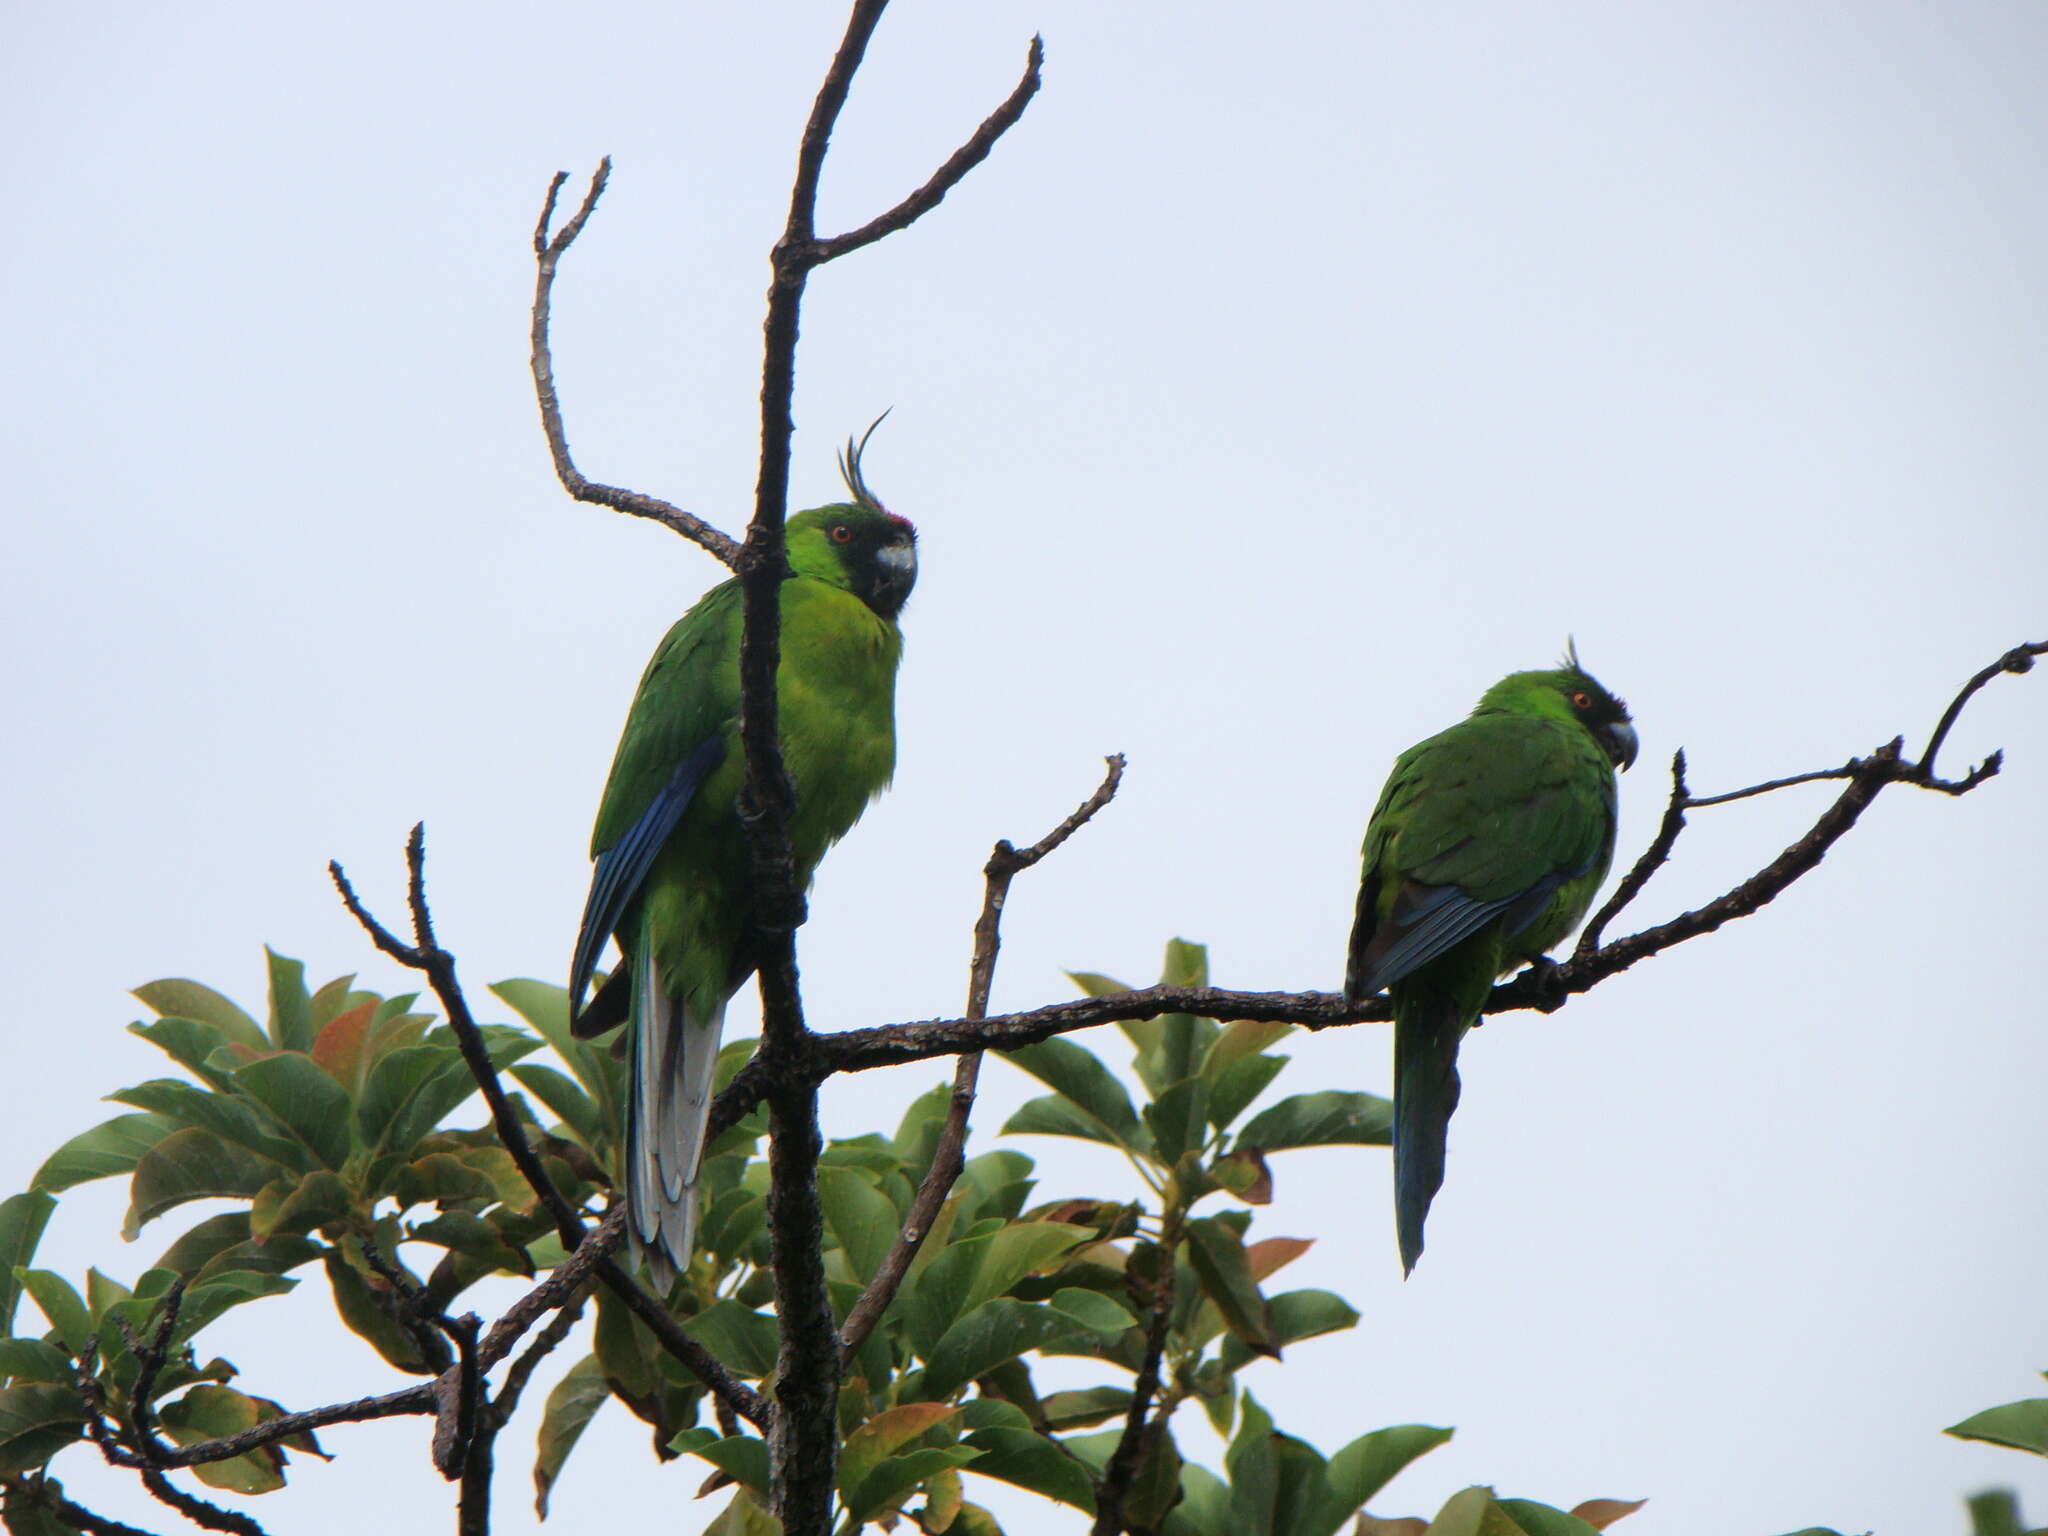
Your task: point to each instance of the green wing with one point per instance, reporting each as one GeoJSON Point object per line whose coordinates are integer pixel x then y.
{"type": "Point", "coordinates": [678, 732]}
{"type": "Point", "coordinates": [1489, 819]}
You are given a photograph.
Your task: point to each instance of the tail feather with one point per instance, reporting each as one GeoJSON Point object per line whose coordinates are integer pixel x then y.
{"type": "Point", "coordinates": [675, 1060]}
{"type": "Point", "coordinates": [1427, 1029]}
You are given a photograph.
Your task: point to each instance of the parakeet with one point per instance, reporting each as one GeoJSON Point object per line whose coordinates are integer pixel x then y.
{"type": "Point", "coordinates": [672, 879]}
{"type": "Point", "coordinates": [1485, 850]}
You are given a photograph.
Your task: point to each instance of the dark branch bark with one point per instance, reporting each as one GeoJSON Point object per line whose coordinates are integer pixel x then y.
{"type": "Point", "coordinates": [1652, 860]}
{"type": "Point", "coordinates": [77, 1515]}
{"type": "Point", "coordinates": [947, 176]}
{"type": "Point", "coordinates": [439, 968]}
{"type": "Point", "coordinates": [201, 1512]}
{"type": "Point", "coordinates": [948, 1156]}
{"type": "Point", "coordinates": [1128, 1459]}
{"type": "Point", "coordinates": [548, 250]}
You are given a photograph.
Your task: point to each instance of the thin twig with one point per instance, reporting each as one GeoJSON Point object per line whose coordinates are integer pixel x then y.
{"type": "Point", "coordinates": [202, 1512]}
{"type": "Point", "coordinates": [439, 968]}
{"type": "Point", "coordinates": [78, 1516]}
{"type": "Point", "coordinates": [1652, 860]}
{"type": "Point", "coordinates": [947, 176]}
{"type": "Point", "coordinates": [548, 251]}
{"type": "Point", "coordinates": [948, 1154]}
{"type": "Point", "coordinates": [1127, 1460]}
{"type": "Point", "coordinates": [2019, 660]}
{"type": "Point", "coordinates": [545, 1343]}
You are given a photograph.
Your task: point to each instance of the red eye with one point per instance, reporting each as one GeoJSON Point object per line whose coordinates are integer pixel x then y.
{"type": "Point", "coordinates": [1582, 700]}
{"type": "Point", "coordinates": [841, 534]}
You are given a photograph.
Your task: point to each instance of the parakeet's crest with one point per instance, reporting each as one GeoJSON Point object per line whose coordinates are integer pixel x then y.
{"type": "Point", "coordinates": [859, 544]}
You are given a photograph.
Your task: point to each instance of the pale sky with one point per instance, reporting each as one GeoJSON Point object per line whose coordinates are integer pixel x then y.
{"type": "Point", "coordinates": [1274, 388]}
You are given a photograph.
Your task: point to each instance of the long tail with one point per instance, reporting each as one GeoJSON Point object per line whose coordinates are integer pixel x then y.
{"type": "Point", "coordinates": [675, 1057]}
{"type": "Point", "coordinates": [1427, 1029]}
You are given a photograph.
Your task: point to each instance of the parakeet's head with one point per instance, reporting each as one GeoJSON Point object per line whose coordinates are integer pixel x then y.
{"type": "Point", "coordinates": [859, 544]}
{"type": "Point", "coordinates": [1568, 693]}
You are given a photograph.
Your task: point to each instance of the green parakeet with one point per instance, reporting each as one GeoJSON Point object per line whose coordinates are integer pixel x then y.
{"type": "Point", "coordinates": [1485, 850]}
{"type": "Point", "coordinates": [672, 881]}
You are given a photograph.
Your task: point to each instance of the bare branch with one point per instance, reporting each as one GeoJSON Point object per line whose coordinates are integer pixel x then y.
{"type": "Point", "coordinates": [43, 1495]}
{"type": "Point", "coordinates": [548, 251]}
{"type": "Point", "coordinates": [439, 967]}
{"type": "Point", "coordinates": [949, 175]}
{"type": "Point", "coordinates": [2019, 660]}
{"type": "Point", "coordinates": [948, 1158]}
{"type": "Point", "coordinates": [1651, 861]}
{"type": "Point", "coordinates": [1128, 1459]}
{"type": "Point", "coordinates": [201, 1512]}
{"type": "Point", "coordinates": [545, 1343]}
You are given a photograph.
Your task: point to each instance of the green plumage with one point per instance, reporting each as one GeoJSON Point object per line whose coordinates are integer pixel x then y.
{"type": "Point", "coordinates": [672, 880]}
{"type": "Point", "coordinates": [1485, 850]}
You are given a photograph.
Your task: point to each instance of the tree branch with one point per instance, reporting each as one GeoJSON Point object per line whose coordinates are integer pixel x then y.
{"type": "Point", "coordinates": [949, 175]}
{"type": "Point", "coordinates": [439, 968]}
{"type": "Point", "coordinates": [1128, 1459]}
{"type": "Point", "coordinates": [548, 250]}
{"type": "Point", "coordinates": [948, 1155]}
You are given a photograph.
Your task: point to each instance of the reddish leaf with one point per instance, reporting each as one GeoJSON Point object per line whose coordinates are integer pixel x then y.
{"type": "Point", "coordinates": [1601, 1513]}
{"type": "Point", "coordinates": [339, 1045]}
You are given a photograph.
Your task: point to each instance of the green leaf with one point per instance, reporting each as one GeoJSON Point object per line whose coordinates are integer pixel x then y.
{"type": "Point", "coordinates": [1217, 1254]}
{"type": "Point", "coordinates": [1095, 984]}
{"type": "Point", "coordinates": [571, 1105]}
{"type": "Point", "coordinates": [35, 1360]}
{"type": "Point", "coordinates": [917, 1135]}
{"type": "Point", "coordinates": [224, 1113]}
{"type": "Point", "coordinates": [891, 1484]}
{"type": "Point", "coordinates": [1156, 1488]}
{"type": "Point", "coordinates": [1025, 1459]}
{"type": "Point", "coordinates": [61, 1305]}
{"type": "Point", "coordinates": [1994, 1512]}
{"type": "Point", "coordinates": [1254, 1472]}
{"type": "Point", "coordinates": [2022, 1425]}
{"type": "Point", "coordinates": [1204, 1508]}
{"type": "Point", "coordinates": [1322, 1119]}
{"type": "Point", "coordinates": [111, 1147]}
{"type": "Point", "coordinates": [570, 1408]}
{"type": "Point", "coordinates": [973, 1270]}
{"type": "Point", "coordinates": [179, 998]}
{"type": "Point", "coordinates": [1365, 1466]}
{"type": "Point", "coordinates": [210, 1297]}
{"type": "Point", "coordinates": [37, 1420]}
{"type": "Point", "coordinates": [195, 1045]}
{"type": "Point", "coordinates": [996, 1331]}
{"type": "Point", "coordinates": [741, 1457]}
{"type": "Point", "coordinates": [1234, 1088]}
{"type": "Point", "coordinates": [1076, 1075]}
{"type": "Point", "coordinates": [22, 1219]}
{"type": "Point", "coordinates": [1297, 1315]}
{"type": "Point", "coordinates": [860, 1216]}
{"type": "Point", "coordinates": [1178, 1119]}
{"type": "Point", "coordinates": [1542, 1520]}
{"type": "Point", "coordinates": [1055, 1116]}
{"type": "Point", "coordinates": [882, 1436]}
{"type": "Point", "coordinates": [309, 1103]}
{"type": "Point", "coordinates": [1091, 1310]}
{"type": "Point", "coordinates": [366, 1306]}
{"type": "Point", "coordinates": [210, 1413]}
{"type": "Point", "coordinates": [1085, 1407]}
{"type": "Point", "coordinates": [191, 1164]}
{"type": "Point", "coordinates": [744, 1516]}
{"type": "Point", "coordinates": [546, 1007]}
{"type": "Point", "coordinates": [222, 1244]}
{"type": "Point", "coordinates": [291, 1007]}
{"type": "Point", "coordinates": [742, 1339]}
{"type": "Point", "coordinates": [407, 1093]}
{"type": "Point", "coordinates": [1171, 1048]}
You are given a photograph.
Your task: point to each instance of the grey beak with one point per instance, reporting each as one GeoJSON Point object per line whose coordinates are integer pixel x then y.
{"type": "Point", "coordinates": [1622, 744]}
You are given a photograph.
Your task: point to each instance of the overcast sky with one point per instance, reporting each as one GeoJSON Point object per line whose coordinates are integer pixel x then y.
{"type": "Point", "coordinates": [1276, 386]}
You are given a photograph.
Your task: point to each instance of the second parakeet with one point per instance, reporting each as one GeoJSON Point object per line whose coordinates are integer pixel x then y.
{"type": "Point", "coordinates": [672, 879]}
{"type": "Point", "coordinates": [1485, 850]}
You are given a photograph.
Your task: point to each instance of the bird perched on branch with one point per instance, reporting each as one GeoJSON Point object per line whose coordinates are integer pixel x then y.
{"type": "Point", "coordinates": [672, 881]}
{"type": "Point", "coordinates": [1485, 850]}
